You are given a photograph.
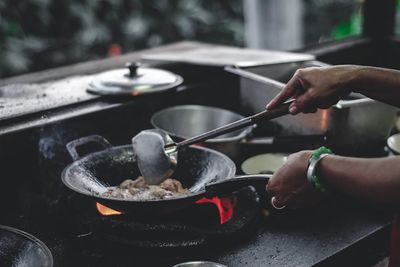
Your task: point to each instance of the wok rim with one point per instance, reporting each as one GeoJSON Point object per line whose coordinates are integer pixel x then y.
{"type": "Point", "coordinates": [242, 135]}
{"type": "Point", "coordinates": [232, 170]}
{"type": "Point", "coordinates": [32, 238]}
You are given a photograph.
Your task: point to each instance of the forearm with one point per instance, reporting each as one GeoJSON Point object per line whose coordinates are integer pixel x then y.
{"type": "Point", "coordinates": [376, 83]}
{"type": "Point", "coordinates": [376, 180]}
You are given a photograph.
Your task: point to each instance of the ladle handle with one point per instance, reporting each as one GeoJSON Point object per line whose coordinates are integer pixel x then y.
{"type": "Point", "coordinates": [273, 113]}
{"type": "Point", "coordinates": [262, 116]}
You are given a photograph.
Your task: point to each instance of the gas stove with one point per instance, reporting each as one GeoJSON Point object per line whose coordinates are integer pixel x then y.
{"type": "Point", "coordinates": [79, 233]}
{"type": "Point", "coordinates": [173, 238]}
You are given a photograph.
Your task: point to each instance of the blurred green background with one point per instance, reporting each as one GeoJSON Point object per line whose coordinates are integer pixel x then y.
{"type": "Point", "coordinates": [40, 34]}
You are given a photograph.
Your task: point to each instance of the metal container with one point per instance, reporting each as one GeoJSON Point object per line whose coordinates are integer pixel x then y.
{"type": "Point", "coordinates": [182, 122]}
{"type": "Point", "coordinates": [354, 121]}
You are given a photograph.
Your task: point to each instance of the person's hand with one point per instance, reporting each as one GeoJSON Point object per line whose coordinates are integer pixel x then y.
{"type": "Point", "coordinates": [289, 185]}
{"type": "Point", "coordinates": [315, 87]}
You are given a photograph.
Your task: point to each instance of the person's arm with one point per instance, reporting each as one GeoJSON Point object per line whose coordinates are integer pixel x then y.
{"type": "Point", "coordinates": [321, 87]}
{"type": "Point", "coordinates": [375, 180]}
{"type": "Point", "coordinates": [379, 84]}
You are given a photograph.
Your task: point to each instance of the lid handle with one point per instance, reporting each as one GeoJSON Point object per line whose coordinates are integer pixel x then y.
{"type": "Point", "coordinates": [132, 66]}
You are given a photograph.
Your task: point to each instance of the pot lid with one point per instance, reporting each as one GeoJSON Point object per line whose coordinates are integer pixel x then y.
{"type": "Point", "coordinates": [133, 80]}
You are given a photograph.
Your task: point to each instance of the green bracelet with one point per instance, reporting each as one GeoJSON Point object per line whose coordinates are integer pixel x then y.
{"type": "Point", "coordinates": [316, 156]}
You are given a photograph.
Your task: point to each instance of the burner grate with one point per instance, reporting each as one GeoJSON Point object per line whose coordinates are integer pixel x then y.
{"type": "Point", "coordinates": [194, 227]}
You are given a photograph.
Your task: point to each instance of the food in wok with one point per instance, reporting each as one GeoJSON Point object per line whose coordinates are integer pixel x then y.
{"type": "Point", "coordinates": [138, 189]}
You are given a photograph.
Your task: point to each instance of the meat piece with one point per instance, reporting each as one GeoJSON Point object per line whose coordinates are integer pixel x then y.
{"type": "Point", "coordinates": [139, 182]}
{"type": "Point", "coordinates": [171, 185]}
{"type": "Point", "coordinates": [133, 190]}
{"type": "Point", "coordinates": [174, 186]}
{"type": "Point", "coordinates": [117, 193]}
{"type": "Point", "coordinates": [159, 193]}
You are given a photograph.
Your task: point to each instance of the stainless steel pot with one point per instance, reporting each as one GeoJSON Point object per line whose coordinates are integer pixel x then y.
{"type": "Point", "coordinates": [182, 122]}
{"type": "Point", "coordinates": [353, 122]}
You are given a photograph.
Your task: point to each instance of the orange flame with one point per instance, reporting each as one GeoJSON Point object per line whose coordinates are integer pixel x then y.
{"type": "Point", "coordinates": [224, 205]}
{"type": "Point", "coordinates": [106, 210]}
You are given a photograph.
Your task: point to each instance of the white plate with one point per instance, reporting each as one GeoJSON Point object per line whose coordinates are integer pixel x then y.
{"type": "Point", "coordinates": [393, 143]}
{"type": "Point", "coordinates": [263, 163]}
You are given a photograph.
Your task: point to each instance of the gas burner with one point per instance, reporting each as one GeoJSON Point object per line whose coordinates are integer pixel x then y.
{"type": "Point", "coordinates": [197, 226]}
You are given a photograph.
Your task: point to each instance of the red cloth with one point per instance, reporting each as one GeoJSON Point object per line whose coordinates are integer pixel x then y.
{"type": "Point", "coordinates": [394, 260]}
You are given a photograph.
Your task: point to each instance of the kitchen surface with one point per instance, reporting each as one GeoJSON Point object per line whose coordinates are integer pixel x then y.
{"type": "Point", "coordinates": [78, 233]}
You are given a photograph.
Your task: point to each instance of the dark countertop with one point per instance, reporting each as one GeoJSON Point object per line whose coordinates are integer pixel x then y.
{"type": "Point", "coordinates": [48, 96]}
{"type": "Point", "coordinates": [50, 89]}
{"type": "Point", "coordinates": [330, 237]}
{"type": "Point", "coordinates": [335, 234]}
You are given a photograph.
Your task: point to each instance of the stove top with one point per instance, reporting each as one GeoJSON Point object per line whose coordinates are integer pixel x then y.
{"type": "Point", "coordinates": [171, 238]}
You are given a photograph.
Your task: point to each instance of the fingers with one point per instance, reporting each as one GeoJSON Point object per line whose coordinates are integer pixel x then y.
{"type": "Point", "coordinates": [289, 182]}
{"type": "Point", "coordinates": [306, 103]}
{"type": "Point", "coordinates": [312, 88]}
{"type": "Point", "coordinates": [290, 90]}
{"type": "Point", "coordinates": [293, 108]}
{"type": "Point", "coordinates": [277, 201]}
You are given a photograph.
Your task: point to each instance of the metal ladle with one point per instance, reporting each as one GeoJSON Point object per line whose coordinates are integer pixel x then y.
{"type": "Point", "coordinates": [156, 153]}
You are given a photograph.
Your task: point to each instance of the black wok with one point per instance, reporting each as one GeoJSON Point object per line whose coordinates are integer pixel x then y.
{"type": "Point", "coordinates": [18, 248]}
{"type": "Point", "coordinates": [91, 174]}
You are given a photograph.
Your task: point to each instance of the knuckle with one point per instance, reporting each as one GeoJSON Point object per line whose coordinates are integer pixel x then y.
{"type": "Point", "coordinates": [312, 94]}
{"type": "Point", "coordinates": [271, 187]}
{"type": "Point", "coordinates": [292, 156]}
{"type": "Point", "coordinates": [299, 102]}
{"type": "Point", "coordinates": [300, 72]}
{"type": "Point", "coordinates": [285, 92]}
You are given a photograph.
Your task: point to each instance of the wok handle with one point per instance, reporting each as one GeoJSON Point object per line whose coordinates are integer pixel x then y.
{"type": "Point", "coordinates": [94, 139]}
{"type": "Point", "coordinates": [258, 181]}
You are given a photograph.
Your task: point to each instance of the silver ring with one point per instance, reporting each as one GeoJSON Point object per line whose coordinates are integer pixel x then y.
{"type": "Point", "coordinates": [276, 207]}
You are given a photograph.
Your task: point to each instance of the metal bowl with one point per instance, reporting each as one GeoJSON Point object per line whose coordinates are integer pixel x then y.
{"type": "Point", "coordinates": [18, 248]}
{"type": "Point", "coordinates": [199, 264]}
{"type": "Point", "coordinates": [190, 120]}
{"type": "Point", "coordinates": [182, 122]}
